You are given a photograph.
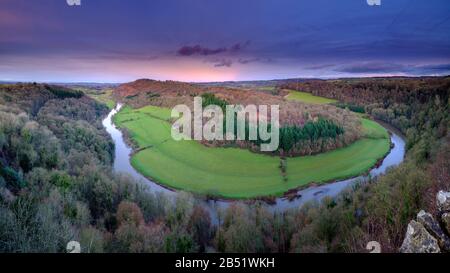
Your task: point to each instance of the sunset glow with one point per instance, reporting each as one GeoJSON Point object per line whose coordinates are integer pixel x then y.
{"type": "Point", "coordinates": [118, 41]}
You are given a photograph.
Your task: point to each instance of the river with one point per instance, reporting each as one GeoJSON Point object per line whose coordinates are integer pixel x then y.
{"type": "Point", "coordinates": [123, 154]}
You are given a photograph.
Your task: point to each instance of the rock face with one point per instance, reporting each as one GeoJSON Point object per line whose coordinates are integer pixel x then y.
{"type": "Point", "coordinates": [418, 240]}
{"type": "Point", "coordinates": [446, 221]}
{"type": "Point", "coordinates": [428, 235]}
{"type": "Point", "coordinates": [443, 201]}
{"type": "Point", "coordinates": [433, 227]}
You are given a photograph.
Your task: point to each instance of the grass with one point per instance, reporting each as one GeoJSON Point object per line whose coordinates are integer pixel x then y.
{"type": "Point", "coordinates": [307, 98]}
{"type": "Point", "coordinates": [104, 97]}
{"type": "Point", "coordinates": [234, 172]}
{"type": "Point", "coordinates": [266, 88]}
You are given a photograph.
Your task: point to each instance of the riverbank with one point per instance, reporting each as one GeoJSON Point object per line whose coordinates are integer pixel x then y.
{"type": "Point", "coordinates": [233, 173]}
{"type": "Point", "coordinates": [313, 193]}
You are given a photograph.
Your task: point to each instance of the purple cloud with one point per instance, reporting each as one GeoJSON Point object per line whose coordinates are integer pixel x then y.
{"type": "Point", "coordinates": [199, 50]}
{"type": "Point", "coordinates": [223, 63]}
{"type": "Point", "coordinates": [247, 61]}
{"type": "Point", "coordinates": [253, 60]}
{"type": "Point", "coordinates": [372, 67]}
{"type": "Point", "coordinates": [239, 46]}
{"type": "Point", "coordinates": [220, 62]}
{"type": "Point", "coordinates": [380, 68]}
{"type": "Point", "coordinates": [205, 51]}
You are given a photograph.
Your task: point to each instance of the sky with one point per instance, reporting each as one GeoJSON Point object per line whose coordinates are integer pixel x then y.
{"type": "Point", "coordinates": [229, 40]}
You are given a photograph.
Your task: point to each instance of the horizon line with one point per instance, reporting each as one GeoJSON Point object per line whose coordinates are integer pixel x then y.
{"type": "Point", "coordinates": [229, 81]}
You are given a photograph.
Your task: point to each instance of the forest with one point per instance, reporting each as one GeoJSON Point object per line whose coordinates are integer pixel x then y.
{"type": "Point", "coordinates": [312, 136]}
{"type": "Point", "coordinates": [418, 107]}
{"type": "Point", "coordinates": [57, 184]}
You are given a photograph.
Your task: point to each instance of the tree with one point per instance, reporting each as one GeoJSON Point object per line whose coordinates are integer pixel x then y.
{"type": "Point", "coordinates": [200, 227]}
{"type": "Point", "coordinates": [129, 213]}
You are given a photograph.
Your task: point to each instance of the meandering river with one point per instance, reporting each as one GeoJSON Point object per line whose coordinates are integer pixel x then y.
{"type": "Point", "coordinates": [123, 154]}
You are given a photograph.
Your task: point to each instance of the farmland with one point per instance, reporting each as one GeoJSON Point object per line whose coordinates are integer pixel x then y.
{"type": "Point", "coordinates": [104, 97]}
{"type": "Point", "coordinates": [233, 172]}
{"type": "Point", "coordinates": [307, 97]}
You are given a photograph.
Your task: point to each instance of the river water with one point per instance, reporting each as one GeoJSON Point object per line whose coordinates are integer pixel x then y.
{"type": "Point", "coordinates": [315, 193]}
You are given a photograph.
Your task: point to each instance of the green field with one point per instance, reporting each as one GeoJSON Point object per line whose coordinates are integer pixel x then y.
{"type": "Point", "coordinates": [103, 97]}
{"type": "Point", "coordinates": [234, 172]}
{"type": "Point", "coordinates": [307, 97]}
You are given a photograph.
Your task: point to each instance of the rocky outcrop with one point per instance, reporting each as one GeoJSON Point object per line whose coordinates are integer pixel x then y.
{"type": "Point", "coordinates": [443, 201]}
{"type": "Point", "coordinates": [446, 221]}
{"type": "Point", "coordinates": [418, 240]}
{"type": "Point", "coordinates": [428, 235]}
{"type": "Point", "coordinates": [434, 228]}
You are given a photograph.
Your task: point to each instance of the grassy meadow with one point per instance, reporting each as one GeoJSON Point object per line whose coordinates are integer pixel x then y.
{"type": "Point", "coordinates": [234, 172]}
{"type": "Point", "coordinates": [103, 97]}
{"type": "Point", "coordinates": [307, 98]}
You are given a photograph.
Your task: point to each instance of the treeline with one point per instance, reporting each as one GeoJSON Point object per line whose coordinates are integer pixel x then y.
{"type": "Point", "coordinates": [376, 90]}
{"type": "Point", "coordinates": [351, 106]}
{"type": "Point", "coordinates": [211, 99]}
{"type": "Point", "coordinates": [293, 137]}
{"type": "Point", "coordinates": [418, 107]}
{"type": "Point", "coordinates": [314, 136]}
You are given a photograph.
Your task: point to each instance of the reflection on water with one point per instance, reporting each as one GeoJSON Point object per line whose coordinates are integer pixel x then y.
{"type": "Point", "coordinates": [317, 193]}
{"type": "Point", "coordinates": [394, 158]}
{"type": "Point", "coordinates": [123, 153]}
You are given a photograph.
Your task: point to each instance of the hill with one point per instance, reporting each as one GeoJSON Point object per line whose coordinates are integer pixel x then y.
{"type": "Point", "coordinates": [294, 115]}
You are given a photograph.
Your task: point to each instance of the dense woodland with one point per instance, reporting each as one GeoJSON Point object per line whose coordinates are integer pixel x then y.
{"type": "Point", "coordinates": [310, 134]}
{"type": "Point", "coordinates": [56, 182]}
{"type": "Point", "coordinates": [418, 107]}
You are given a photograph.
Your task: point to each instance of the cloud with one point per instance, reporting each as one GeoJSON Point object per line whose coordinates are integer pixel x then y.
{"type": "Point", "coordinates": [430, 69]}
{"type": "Point", "coordinates": [224, 63]}
{"type": "Point", "coordinates": [247, 61]}
{"type": "Point", "coordinates": [125, 56]}
{"type": "Point", "coordinates": [199, 50]}
{"type": "Point", "coordinates": [436, 67]}
{"type": "Point", "coordinates": [227, 62]}
{"type": "Point", "coordinates": [221, 62]}
{"type": "Point", "coordinates": [239, 46]}
{"type": "Point", "coordinates": [319, 66]}
{"type": "Point", "coordinates": [254, 60]}
{"type": "Point", "coordinates": [205, 51]}
{"type": "Point", "coordinates": [372, 67]}
{"type": "Point", "coordinates": [386, 68]}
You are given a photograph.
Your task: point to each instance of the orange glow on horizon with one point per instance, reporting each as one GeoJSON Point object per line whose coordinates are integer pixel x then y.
{"type": "Point", "coordinates": [179, 70]}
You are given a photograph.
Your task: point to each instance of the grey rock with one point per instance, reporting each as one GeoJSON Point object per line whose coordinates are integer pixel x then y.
{"type": "Point", "coordinates": [446, 221]}
{"type": "Point", "coordinates": [418, 240]}
{"type": "Point", "coordinates": [443, 201]}
{"type": "Point", "coordinates": [433, 227]}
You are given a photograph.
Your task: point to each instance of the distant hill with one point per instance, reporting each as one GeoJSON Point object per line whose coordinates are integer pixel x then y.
{"type": "Point", "coordinates": [32, 96]}
{"type": "Point", "coordinates": [170, 93]}
{"type": "Point", "coordinates": [155, 88]}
